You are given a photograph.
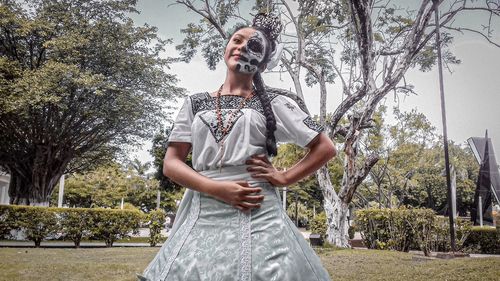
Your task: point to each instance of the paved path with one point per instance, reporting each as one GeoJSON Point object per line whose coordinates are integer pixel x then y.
{"type": "Point", "coordinates": [64, 244]}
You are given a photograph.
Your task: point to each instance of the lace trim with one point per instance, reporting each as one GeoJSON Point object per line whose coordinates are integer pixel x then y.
{"type": "Point", "coordinates": [245, 259]}
{"type": "Point", "coordinates": [183, 232]}
{"type": "Point", "coordinates": [203, 101]}
{"type": "Point", "coordinates": [210, 119]}
{"type": "Point", "coordinates": [313, 125]}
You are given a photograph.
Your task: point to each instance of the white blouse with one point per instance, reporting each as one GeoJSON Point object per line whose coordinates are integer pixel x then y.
{"type": "Point", "coordinates": [196, 123]}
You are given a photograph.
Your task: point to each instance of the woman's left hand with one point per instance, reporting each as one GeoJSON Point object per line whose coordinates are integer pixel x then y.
{"type": "Point", "coordinates": [261, 168]}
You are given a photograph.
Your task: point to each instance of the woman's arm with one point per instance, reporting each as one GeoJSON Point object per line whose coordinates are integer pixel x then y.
{"type": "Point", "coordinates": [238, 194]}
{"type": "Point", "coordinates": [321, 150]}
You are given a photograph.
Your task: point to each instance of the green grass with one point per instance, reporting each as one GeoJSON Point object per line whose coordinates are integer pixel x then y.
{"type": "Point", "coordinates": [122, 264]}
{"type": "Point", "coordinates": [396, 266]}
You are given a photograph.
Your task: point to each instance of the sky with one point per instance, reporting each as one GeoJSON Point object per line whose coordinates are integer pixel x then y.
{"type": "Point", "coordinates": [472, 89]}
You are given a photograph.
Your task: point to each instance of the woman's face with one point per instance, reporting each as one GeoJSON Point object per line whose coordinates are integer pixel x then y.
{"type": "Point", "coordinates": [246, 51]}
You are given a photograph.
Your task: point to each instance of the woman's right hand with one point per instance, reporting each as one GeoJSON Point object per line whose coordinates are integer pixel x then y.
{"type": "Point", "coordinates": [238, 194]}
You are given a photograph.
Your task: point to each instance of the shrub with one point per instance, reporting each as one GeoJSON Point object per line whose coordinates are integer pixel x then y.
{"type": "Point", "coordinates": [111, 225]}
{"type": "Point", "coordinates": [395, 229]}
{"type": "Point", "coordinates": [6, 222]}
{"type": "Point", "coordinates": [319, 225]}
{"type": "Point", "coordinates": [441, 236]}
{"type": "Point", "coordinates": [156, 219]}
{"type": "Point", "coordinates": [485, 240]}
{"type": "Point", "coordinates": [76, 224]}
{"type": "Point", "coordinates": [36, 222]}
{"type": "Point", "coordinates": [303, 213]}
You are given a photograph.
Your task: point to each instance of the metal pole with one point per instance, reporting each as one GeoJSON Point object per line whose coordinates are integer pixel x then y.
{"type": "Point", "coordinates": [443, 114]}
{"type": "Point", "coordinates": [284, 198]}
{"type": "Point", "coordinates": [158, 198]}
{"type": "Point", "coordinates": [296, 209]}
{"type": "Point", "coordinates": [480, 209]}
{"type": "Point", "coordinates": [453, 192]}
{"type": "Point", "coordinates": [61, 192]}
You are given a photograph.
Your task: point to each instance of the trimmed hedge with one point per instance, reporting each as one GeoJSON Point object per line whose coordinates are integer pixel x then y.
{"type": "Point", "coordinates": [395, 229]}
{"type": "Point", "coordinates": [36, 222]}
{"type": "Point", "coordinates": [404, 229]}
{"type": "Point", "coordinates": [75, 224]}
{"type": "Point", "coordinates": [485, 240]}
{"type": "Point", "coordinates": [441, 237]}
{"type": "Point", "coordinates": [111, 225]}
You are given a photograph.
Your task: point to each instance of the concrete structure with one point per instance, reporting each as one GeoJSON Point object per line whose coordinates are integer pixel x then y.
{"type": "Point", "coordinates": [4, 188]}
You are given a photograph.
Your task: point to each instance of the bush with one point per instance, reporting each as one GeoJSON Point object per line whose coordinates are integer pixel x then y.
{"type": "Point", "coordinates": [36, 222]}
{"type": "Point", "coordinates": [156, 219]}
{"type": "Point", "coordinates": [111, 225]}
{"type": "Point", "coordinates": [319, 225]}
{"type": "Point", "coordinates": [6, 222]}
{"type": "Point", "coordinates": [441, 236]}
{"type": "Point", "coordinates": [404, 229]}
{"type": "Point", "coordinates": [395, 229]}
{"type": "Point", "coordinates": [303, 213]}
{"type": "Point", "coordinates": [485, 240]}
{"type": "Point", "coordinates": [76, 224]}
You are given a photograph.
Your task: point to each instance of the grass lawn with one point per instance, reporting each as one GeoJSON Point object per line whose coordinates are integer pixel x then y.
{"type": "Point", "coordinates": [122, 264]}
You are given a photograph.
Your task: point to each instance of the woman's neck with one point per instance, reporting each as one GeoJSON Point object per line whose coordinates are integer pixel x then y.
{"type": "Point", "coordinates": [237, 84]}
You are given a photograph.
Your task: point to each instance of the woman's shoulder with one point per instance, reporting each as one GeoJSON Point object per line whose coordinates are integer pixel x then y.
{"type": "Point", "coordinates": [281, 97]}
{"type": "Point", "coordinates": [199, 101]}
{"type": "Point", "coordinates": [199, 96]}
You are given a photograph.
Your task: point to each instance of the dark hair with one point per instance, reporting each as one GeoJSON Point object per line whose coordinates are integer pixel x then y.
{"type": "Point", "coordinates": [260, 90]}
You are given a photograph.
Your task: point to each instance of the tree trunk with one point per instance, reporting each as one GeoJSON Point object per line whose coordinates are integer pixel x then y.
{"type": "Point", "coordinates": [335, 210]}
{"type": "Point", "coordinates": [24, 191]}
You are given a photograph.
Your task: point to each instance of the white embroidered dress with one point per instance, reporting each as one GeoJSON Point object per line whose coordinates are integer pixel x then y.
{"type": "Point", "coordinates": [211, 240]}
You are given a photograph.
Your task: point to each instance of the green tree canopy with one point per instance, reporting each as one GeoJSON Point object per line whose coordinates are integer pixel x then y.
{"type": "Point", "coordinates": [79, 82]}
{"type": "Point", "coordinates": [106, 185]}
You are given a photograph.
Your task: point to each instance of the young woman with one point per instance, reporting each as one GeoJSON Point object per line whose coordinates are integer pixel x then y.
{"type": "Point", "coordinates": [230, 224]}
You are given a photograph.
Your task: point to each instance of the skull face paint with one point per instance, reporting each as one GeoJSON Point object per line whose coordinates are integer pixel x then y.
{"type": "Point", "coordinates": [252, 55]}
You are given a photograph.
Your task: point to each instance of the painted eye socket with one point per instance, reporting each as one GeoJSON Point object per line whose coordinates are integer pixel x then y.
{"type": "Point", "coordinates": [255, 46]}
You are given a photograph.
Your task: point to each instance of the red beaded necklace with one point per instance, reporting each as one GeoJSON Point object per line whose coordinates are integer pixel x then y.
{"type": "Point", "coordinates": [229, 124]}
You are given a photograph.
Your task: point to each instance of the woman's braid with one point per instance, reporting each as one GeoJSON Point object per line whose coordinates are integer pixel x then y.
{"type": "Point", "coordinates": [268, 113]}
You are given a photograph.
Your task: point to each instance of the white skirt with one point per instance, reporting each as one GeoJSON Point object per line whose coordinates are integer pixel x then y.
{"type": "Point", "coordinates": [211, 240]}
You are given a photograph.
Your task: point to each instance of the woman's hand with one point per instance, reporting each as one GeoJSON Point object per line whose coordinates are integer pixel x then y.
{"type": "Point", "coordinates": [238, 194]}
{"type": "Point", "coordinates": [263, 169]}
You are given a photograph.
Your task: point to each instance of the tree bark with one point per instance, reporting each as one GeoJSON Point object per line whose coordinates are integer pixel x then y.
{"type": "Point", "coordinates": [33, 186]}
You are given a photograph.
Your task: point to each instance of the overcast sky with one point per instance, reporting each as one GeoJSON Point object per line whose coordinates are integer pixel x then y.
{"type": "Point", "coordinates": [472, 90]}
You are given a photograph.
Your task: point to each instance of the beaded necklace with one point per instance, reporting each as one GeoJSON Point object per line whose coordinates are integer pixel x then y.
{"type": "Point", "coordinates": [230, 122]}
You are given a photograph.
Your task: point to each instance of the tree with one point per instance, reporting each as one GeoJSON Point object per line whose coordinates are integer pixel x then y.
{"type": "Point", "coordinates": [158, 150]}
{"type": "Point", "coordinates": [79, 83]}
{"type": "Point", "coordinates": [106, 186]}
{"type": "Point", "coordinates": [139, 168]}
{"type": "Point", "coordinates": [378, 41]}
{"type": "Point", "coordinates": [410, 171]}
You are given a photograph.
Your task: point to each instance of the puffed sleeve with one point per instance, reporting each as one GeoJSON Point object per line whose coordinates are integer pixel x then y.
{"type": "Point", "coordinates": [293, 125]}
{"type": "Point", "coordinates": [181, 130]}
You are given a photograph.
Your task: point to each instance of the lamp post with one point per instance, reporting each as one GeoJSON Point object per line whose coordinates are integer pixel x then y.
{"type": "Point", "coordinates": [296, 194]}
{"type": "Point", "coordinates": [443, 116]}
